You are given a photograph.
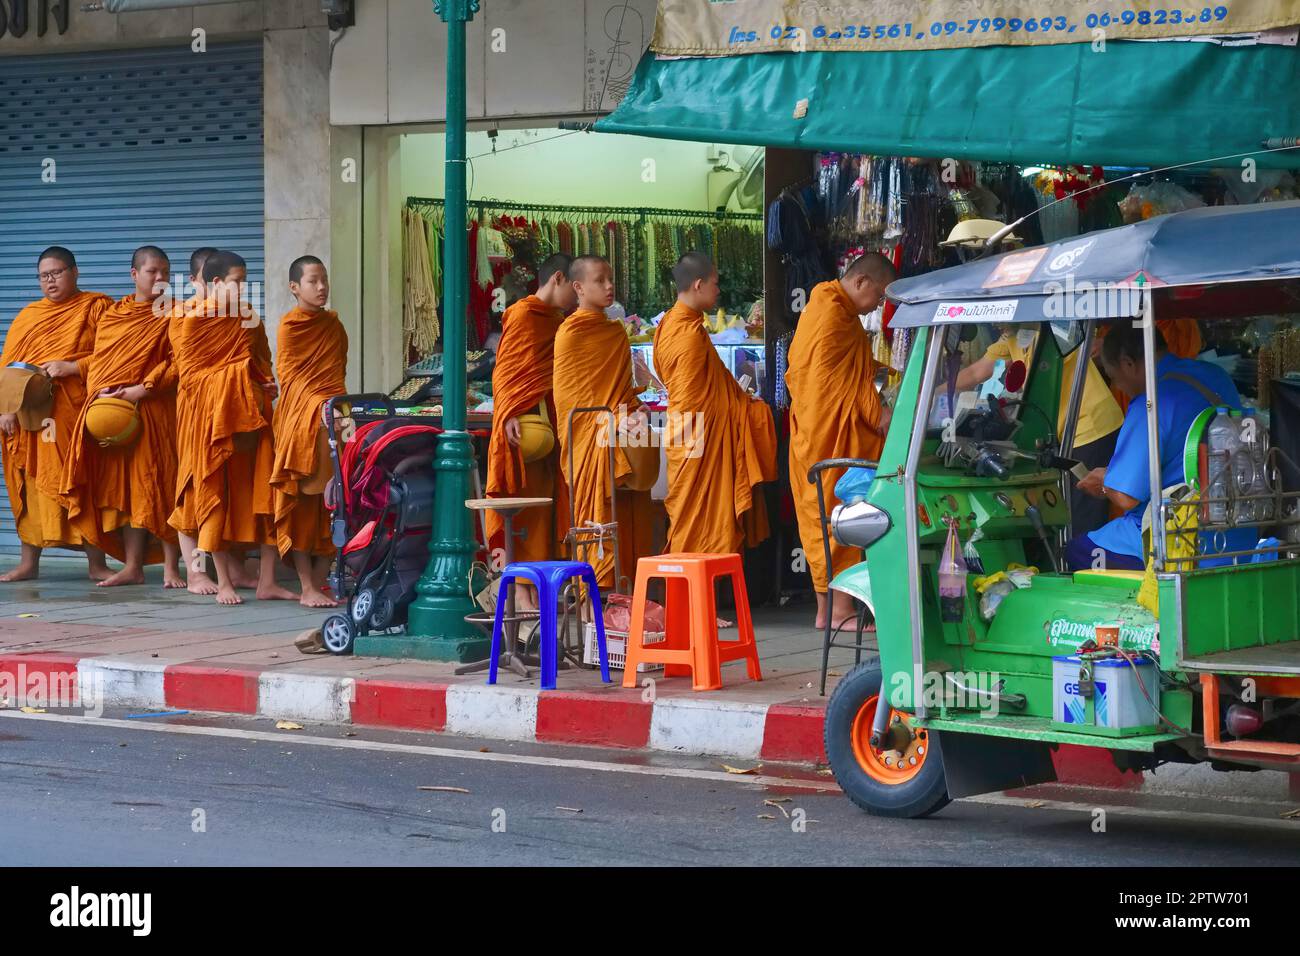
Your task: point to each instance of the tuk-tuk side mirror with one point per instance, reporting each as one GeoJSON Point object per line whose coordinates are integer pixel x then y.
{"type": "Point", "coordinates": [1069, 336]}
{"type": "Point", "coordinates": [859, 525]}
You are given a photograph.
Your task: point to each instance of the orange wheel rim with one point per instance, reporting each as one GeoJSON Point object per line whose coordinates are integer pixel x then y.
{"type": "Point", "coordinates": [889, 766]}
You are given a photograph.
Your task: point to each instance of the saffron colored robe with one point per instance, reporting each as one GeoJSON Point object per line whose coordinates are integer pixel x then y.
{"type": "Point", "coordinates": [522, 378]}
{"type": "Point", "coordinates": [33, 466]}
{"type": "Point", "coordinates": [593, 368]}
{"type": "Point", "coordinates": [106, 489]}
{"type": "Point", "coordinates": [720, 443]}
{"type": "Point", "coordinates": [223, 482]}
{"type": "Point", "coordinates": [834, 413]}
{"type": "Point", "coordinates": [311, 365]}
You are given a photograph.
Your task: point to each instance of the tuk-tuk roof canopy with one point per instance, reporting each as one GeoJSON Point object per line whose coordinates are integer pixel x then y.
{"type": "Point", "coordinates": [1185, 259]}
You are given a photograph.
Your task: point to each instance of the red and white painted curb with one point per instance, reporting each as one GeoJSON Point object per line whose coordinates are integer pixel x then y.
{"type": "Point", "coordinates": [610, 717]}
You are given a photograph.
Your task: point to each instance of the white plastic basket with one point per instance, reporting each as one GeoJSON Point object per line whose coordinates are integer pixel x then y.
{"type": "Point", "coordinates": [615, 647]}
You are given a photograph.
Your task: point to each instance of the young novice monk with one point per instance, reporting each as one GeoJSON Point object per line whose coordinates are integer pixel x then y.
{"type": "Point", "coordinates": [311, 363]}
{"type": "Point", "coordinates": [125, 493]}
{"type": "Point", "coordinates": [522, 379]}
{"type": "Point", "coordinates": [835, 411]}
{"type": "Point", "coordinates": [224, 468]}
{"type": "Point", "coordinates": [720, 442]}
{"type": "Point", "coordinates": [593, 368]}
{"type": "Point", "coordinates": [196, 569]}
{"type": "Point", "coordinates": [56, 332]}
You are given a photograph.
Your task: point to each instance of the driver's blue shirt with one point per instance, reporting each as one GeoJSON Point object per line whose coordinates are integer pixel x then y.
{"type": "Point", "coordinates": [1177, 405]}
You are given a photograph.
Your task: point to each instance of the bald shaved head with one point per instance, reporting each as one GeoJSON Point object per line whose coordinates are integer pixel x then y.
{"type": "Point", "coordinates": [691, 268]}
{"type": "Point", "coordinates": [581, 267]}
{"type": "Point", "coordinates": [874, 266]}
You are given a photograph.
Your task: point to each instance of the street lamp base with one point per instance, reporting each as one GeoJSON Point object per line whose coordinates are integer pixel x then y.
{"type": "Point", "coordinates": [462, 644]}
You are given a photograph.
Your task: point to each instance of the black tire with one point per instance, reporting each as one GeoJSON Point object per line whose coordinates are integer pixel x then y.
{"type": "Point", "coordinates": [921, 795]}
{"type": "Point", "coordinates": [383, 614]}
{"type": "Point", "coordinates": [338, 634]}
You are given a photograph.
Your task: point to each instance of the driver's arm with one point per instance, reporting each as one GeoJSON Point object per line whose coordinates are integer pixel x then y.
{"type": "Point", "coordinates": [975, 373]}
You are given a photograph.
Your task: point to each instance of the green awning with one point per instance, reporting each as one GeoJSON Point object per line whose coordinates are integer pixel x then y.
{"type": "Point", "coordinates": [1136, 104]}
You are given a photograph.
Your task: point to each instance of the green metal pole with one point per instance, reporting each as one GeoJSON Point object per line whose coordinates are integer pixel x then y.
{"type": "Point", "coordinates": [436, 627]}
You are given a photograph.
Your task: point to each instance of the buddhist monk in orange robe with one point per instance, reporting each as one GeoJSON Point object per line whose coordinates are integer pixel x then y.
{"type": "Point", "coordinates": [198, 579]}
{"type": "Point", "coordinates": [311, 365]}
{"type": "Point", "coordinates": [224, 461]}
{"type": "Point", "coordinates": [522, 380]}
{"type": "Point", "coordinates": [126, 493]}
{"type": "Point", "coordinates": [835, 411]}
{"type": "Point", "coordinates": [58, 333]}
{"type": "Point", "coordinates": [720, 440]}
{"type": "Point", "coordinates": [593, 368]}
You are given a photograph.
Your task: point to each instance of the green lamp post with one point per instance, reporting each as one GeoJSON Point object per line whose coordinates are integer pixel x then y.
{"type": "Point", "coordinates": [436, 627]}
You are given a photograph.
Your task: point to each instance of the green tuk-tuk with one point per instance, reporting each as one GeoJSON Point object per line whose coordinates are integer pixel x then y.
{"type": "Point", "coordinates": [1196, 658]}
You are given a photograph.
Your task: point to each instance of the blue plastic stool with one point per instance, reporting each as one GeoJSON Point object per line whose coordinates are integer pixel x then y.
{"type": "Point", "coordinates": [549, 577]}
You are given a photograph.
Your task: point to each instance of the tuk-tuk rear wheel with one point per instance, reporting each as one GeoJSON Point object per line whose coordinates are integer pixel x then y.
{"type": "Point", "coordinates": [884, 781]}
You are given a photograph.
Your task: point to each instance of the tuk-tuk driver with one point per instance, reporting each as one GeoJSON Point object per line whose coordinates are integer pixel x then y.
{"type": "Point", "coordinates": [1185, 388]}
{"type": "Point", "coordinates": [1099, 413]}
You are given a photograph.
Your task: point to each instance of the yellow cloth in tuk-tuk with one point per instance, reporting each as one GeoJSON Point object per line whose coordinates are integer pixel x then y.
{"type": "Point", "coordinates": [1180, 552]}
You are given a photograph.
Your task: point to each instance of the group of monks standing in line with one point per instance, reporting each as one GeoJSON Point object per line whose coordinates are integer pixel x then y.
{"type": "Point", "coordinates": [559, 353]}
{"type": "Point", "coordinates": [217, 462]}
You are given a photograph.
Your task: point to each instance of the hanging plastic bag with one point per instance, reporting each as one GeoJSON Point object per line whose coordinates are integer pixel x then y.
{"type": "Point", "coordinates": [854, 484]}
{"type": "Point", "coordinates": [952, 578]}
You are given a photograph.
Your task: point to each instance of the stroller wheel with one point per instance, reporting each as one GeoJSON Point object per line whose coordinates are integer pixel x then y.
{"type": "Point", "coordinates": [363, 604]}
{"type": "Point", "coordinates": [338, 633]}
{"type": "Point", "coordinates": [383, 614]}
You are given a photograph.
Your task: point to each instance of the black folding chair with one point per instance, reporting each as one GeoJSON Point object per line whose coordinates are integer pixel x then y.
{"type": "Point", "coordinates": [830, 633]}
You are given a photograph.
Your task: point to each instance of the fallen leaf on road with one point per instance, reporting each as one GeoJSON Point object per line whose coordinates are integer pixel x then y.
{"type": "Point", "coordinates": [570, 809]}
{"type": "Point", "coordinates": [32, 710]}
{"type": "Point", "coordinates": [287, 725]}
{"type": "Point", "coordinates": [484, 750]}
{"type": "Point", "coordinates": [350, 733]}
{"type": "Point", "coordinates": [834, 674]}
{"type": "Point", "coordinates": [1035, 804]}
{"type": "Point", "coordinates": [445, 789]}
{"type": "Point", "coordinates": [4, 702]}
{"type": "Point", "coordinates": [1291, 814]}
{"type": "Point", "coordinates": [773, 801]}
{"type": "Point", "coordinates": [730, 769]}
{"type": "Point", "coordinates": [766, 816]}
{"type": "Point", "coordinates": [777, 804]}
{"type": "Point", "coordinates": [29, 615]}
{"type": "Point", "coordinates": [825, 772]}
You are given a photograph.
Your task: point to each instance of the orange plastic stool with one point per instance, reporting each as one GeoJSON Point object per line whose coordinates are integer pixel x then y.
{"type": "Point", "coordinates": [691, 646]}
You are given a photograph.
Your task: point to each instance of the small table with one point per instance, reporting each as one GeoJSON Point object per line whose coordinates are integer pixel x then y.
{"type": "Point", "coordinates": [507, 508]}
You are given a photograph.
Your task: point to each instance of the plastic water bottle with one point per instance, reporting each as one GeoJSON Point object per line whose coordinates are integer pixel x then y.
{"type": "Point", "coordinates": [1248, 466]}
{"type": "Point", "coordinates": [1223, 446]}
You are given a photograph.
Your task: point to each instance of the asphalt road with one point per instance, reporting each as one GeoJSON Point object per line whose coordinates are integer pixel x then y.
{"type": "Point", "coordinates": [127, 792]}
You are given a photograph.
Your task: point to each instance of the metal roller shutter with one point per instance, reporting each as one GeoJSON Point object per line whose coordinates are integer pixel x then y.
{"type": "Point", "coordinates": [158, 146]}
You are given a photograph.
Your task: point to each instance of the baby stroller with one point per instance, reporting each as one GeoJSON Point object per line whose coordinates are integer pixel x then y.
{"type": "Point", "coordinates": [382, 499]}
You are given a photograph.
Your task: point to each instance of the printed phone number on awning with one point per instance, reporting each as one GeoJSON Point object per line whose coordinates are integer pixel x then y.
{"type": "Point", "coordinates": [894, 31]}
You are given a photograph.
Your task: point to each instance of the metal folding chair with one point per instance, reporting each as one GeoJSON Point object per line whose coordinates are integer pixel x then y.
{"type": "Point", "coordinates": [830, 633]}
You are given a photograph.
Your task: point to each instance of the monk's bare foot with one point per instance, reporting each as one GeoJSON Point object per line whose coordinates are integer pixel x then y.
{"type": "Point", "coordinates": [99, 575]}
{"type": "Point", "coordinates": [172, 579]}
{"type": "Point", "coordinates": [245, 584]}
{"type": "Point", "coordinates": [24, 572]}
{"type": "Point", "coordinates": [273, 592]}
{"type": "Point", "coordinates": [125, 576]}
{"type": "Point", "coordinates": [200, 583]}
{"type": "Point", "coordinates": [311, 597]}
{"type": "Point", "coordinates": [723, 624]}
{"type": "Point", "coordinates": [227, 595]}
{"type": "Point", "coordinates": [842, 622]}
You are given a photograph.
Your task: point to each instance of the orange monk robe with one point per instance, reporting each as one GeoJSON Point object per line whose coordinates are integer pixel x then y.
{"type": "Point", "coordinates": [311, 364]}
{"type": "Point", "coordinates": [593, 368]}
{"type": "Point", "coordinates": [223, 491]}
{"type": "Point", "coordinates": [108, 488]}
{"type": "Point", "coordinates": [834, 412]}
{"type": "Point", "coordinates": [33, 464]}
{"type": "Point", "coordinates": [720, 443]}
{"type": "Point", "coordinates": [521, 378]}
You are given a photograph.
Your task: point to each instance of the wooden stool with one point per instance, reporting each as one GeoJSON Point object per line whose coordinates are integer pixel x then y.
{"type": "Point", "coordinates": [691, 646]}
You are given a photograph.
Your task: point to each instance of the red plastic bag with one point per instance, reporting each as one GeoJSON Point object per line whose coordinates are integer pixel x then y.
{"type": "Point", "coordinates": [618, 614]}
